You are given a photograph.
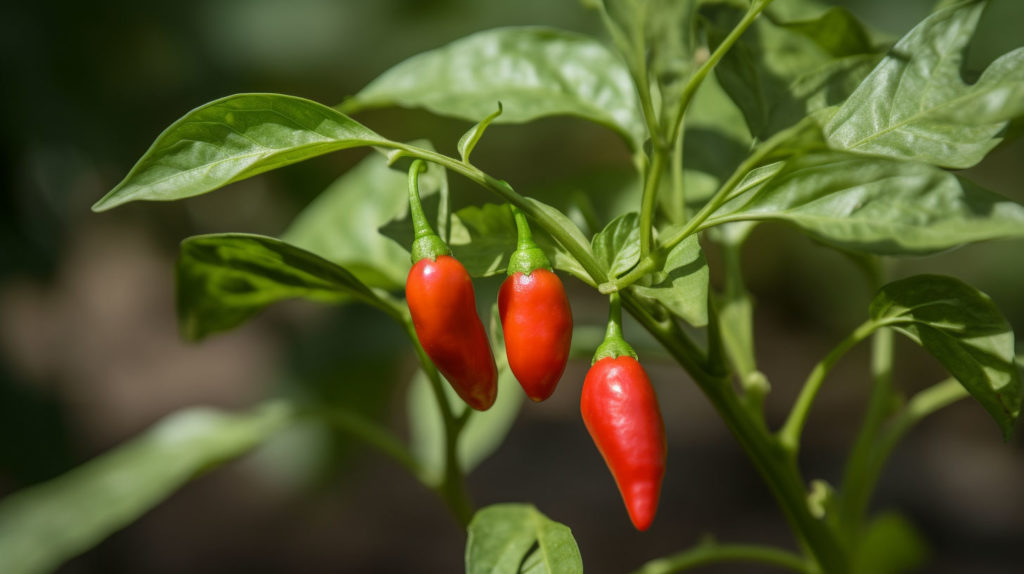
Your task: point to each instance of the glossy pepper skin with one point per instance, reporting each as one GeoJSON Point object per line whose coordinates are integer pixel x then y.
{"type": "Point", "coordinates": [621, 413]}
{"type": "Point", "coordinates": [537, 323]}
{"type": "Point", "coordinates": [443, 308]}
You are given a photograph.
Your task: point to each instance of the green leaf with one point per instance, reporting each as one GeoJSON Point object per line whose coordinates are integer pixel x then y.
{"type": "Point", "coordinates": [483, 238]}
{"type": "Point", "coordinates": [513, 538]}
{"type": "Point", "coordinates": [890, 545]}
{"type": "Point", "coordinates": [617, 246]}
{"type": "Point", "coordinates": [964, 330]}
{"type": "Point", "coordinates": [45, 525]}
{"type": "Point", "coordinates": [906, 107]}
{"type": "Point", "coordinates": [535, 72]}
{"type": "Point", "coordinates": [776, 68]}
{"type": "Point", "coordinates": [224, 279]}
{"type": "Point", "coordinates": [341, 224]}
{"type": "Point", "coordinates": [469, 139]}
{"type": "Point", "coordinates": [837, 32]}
{"type": "Point", "coordinates": [483, 433]}
{"type": "Point", "coordinates": [877, 205]}
{"type": "Point", "coordinates": [682, 285]}
{"type": "Point", "coordinates": [233, 138]}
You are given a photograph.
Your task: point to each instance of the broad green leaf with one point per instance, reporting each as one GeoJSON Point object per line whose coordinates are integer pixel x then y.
{"type": "Point", "coordinates": [45, 525]}
{"type": "Point", "coordinates": [777, 66]}
{"type": "Point", "coordinates": [906, 106]}
{"type": "Point", "coordinates": [964, 330]}
{"type": "Point", "coordinates": [617, 246]}
{"type": "Point", "coordinates": [890, 545]}
{"type": "Point", "coordinates": [837, 32]}
{"type": "Point", "coordinates": [341, 223]}
{"type": "Point", "coordinates": [233, 138]}
{"type": "Point", "coordinates": [535, 72]}
{"type": "Point", "coordinates": [682, 285]}
{"type": "Point", "coordinates": [224, 279]}
{"type": "Point", "coordinates": [469, 139]}
{"type": "Point", "coordinates": [877, 205]}
{"type": "Point", "coordinates": [483, 238]}
{"type": "Point", "coordinates": [483, 433]}
{"type": "Point", "coordinates": [514, 538]}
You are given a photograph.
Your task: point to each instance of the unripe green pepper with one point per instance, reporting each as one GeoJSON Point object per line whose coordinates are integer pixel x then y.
{"type": "Point", "coordinates": [441, 301]}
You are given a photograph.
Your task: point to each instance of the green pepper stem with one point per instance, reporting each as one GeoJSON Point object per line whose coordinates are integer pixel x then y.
{"type": "Point", "coordinates": [528, 256]}
{"type": "Point", "coordinates": [614, 345]}
{"type": "Point", "coordinates": [426, 243]}
{"type": "Point", "coordinates": [525, 238]}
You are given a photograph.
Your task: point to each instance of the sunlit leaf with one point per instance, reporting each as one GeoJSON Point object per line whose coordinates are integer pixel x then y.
{"type": "Point", "coordinates": [908, 106]}
{"type": "Point", "coordinates": [877, 205]}
{"type": "Point", "coordinates": [682, 285]}
{"type": "Point", "coordinates": [514, 538]}
{"type": "Point", "coordinates": [965, 331]}
{"type": "Point", "coordinates": [617, 246]}
{"type": "Point", "coordinates": [535, 72]}
{"type": "Point", "coordinates": [234, 138]}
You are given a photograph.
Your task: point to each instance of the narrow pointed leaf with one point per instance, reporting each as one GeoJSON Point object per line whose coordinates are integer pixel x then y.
{"type": "Point", "coordinates": [234, 138]}
{"type": "Point", "coordinates": [45, 525]}
{"type": "Point", "coordinates": [965, 331]}
{"type": "Point", "coordinates": [535, 72]}
{"type": "Point", "coordinates": [469, 139]}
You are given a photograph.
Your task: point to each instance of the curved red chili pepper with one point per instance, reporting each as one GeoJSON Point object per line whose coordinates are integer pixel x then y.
{"type": "Point", "coordinates": [443, 307]}
{"type": "Point", "coordinates": [537, 323]}
{"type": "Point", "coordinates": [621, 413]}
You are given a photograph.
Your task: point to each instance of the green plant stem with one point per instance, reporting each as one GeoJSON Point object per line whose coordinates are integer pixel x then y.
{"type": "Point", "coordinates": [452, 488]}
{"type": "Point", "coordinates": [693, 225]}
{"type": "Point", "coordinates": [371, 433]}
{"type": "Point", "coordinates": [921, 405]}
{"type": "Point", "coordinates": [712, 553]}
{"type": "Point", "coordinates": [678, 185]}
{"type": "Point", "coordinates": [776, 467]}
{"type": "Point", "coordinates": [778, 470]}
{"type": "Point", "coordinates": [856, 487]}
{"type": "Point", "coordinates": [789, 434]}
{"type": "Point", "coordinates": [702, 72]}
{"type": "Point", "coordinates": [649, 200]}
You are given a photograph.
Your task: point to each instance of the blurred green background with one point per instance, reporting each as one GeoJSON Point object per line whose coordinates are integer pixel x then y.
{"type": "Point", "coordinates": [90, 355]}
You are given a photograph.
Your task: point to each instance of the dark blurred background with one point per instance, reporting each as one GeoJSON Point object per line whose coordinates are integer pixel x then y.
{"type": "Point", "coordinates": [90, 354]}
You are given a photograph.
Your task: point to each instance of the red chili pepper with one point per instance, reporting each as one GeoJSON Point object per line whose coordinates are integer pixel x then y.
{"type": "Point", "coordinates": [537, 323]}
{"type": "Point", "coordinates": [443, 306]}
{"type": "Point", "coordinates": [535, 317]}
{"type": "Point", "coordinates": [621, 413]}
{"type": "Point", "coordinates": [440, 295]}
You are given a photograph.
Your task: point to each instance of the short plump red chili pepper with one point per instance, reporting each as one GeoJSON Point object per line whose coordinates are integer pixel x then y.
{"type": "Point", "coordinates": [537, 323]}
{"type": "Point", "coordinates": [622, 415]}
{"type": "Point", "coordinates": [535, 316]}
{"type": "Point", "coordinates": [443, 307]}
{"type": "Point", "coordinates": [440, 295]}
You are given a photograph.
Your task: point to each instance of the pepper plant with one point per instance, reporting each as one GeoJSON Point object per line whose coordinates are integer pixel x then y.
{"type": "Point", "coordinates": [840, 132]}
